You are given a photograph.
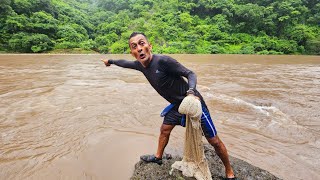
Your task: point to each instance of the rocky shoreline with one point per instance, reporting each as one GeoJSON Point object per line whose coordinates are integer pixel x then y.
{"type": "Point", "coordinates": [242, 169]}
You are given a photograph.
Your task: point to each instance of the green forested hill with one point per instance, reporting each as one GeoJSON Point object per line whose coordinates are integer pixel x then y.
{"type": "Point", "coordinates": [173, 26]}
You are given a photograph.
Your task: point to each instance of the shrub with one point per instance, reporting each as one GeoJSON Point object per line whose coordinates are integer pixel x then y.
{"type": "Point", "coordinates": [247, 49]}
{"type": "Point", "coordinates": [313, 47]}
{"type": "Point", "coordinates": [24, 42]}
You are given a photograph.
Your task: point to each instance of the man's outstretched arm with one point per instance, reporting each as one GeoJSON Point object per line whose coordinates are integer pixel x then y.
{"type": "Point", "coordinates": [121, 63]}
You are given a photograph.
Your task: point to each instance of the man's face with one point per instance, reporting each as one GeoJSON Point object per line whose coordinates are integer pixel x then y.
{"type": "Point", "coordinates": [140, 48]}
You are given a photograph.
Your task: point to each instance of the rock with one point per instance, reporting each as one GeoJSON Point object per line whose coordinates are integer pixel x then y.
{"type": "Point", "coordinates": [242, 169]}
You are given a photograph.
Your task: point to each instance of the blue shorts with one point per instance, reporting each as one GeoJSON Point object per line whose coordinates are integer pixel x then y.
{"type": "Point", "coordinates": [173, 117]}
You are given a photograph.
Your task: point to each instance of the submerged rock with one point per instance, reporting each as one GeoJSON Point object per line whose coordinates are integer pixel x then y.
{"type": "Point", "coordinates": [242, 169]}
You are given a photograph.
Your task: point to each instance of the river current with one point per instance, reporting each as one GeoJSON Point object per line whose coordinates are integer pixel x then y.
{"type": "Point", "coordinates": [70, 117]}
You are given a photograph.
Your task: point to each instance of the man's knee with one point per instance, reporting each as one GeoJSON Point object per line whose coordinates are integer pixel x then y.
{"type": "Point", "coordinates": [215, 142]}
{"type": "Point", "coordinates": [165, 129]}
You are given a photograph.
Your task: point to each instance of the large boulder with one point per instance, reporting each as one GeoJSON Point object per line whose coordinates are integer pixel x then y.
{"type": "Point", "coordinates": [242, 169]}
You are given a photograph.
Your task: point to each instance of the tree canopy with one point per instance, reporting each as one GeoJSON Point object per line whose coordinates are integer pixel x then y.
{"type": "Point", "coordinates": [172, 26]}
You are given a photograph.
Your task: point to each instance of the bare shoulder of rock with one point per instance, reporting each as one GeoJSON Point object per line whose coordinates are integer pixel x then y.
{"type": "Point", "coordinates": [242, 169]}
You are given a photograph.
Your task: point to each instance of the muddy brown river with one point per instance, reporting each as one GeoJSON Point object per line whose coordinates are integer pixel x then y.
{"type": "Point", "coordinates": [70, 117]}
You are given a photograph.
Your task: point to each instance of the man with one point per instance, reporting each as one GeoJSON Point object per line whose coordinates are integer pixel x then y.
{"type": "Point", "coordinates": [165, 75]}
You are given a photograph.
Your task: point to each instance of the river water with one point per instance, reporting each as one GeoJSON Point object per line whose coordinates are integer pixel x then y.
{"type": "Point", "coordinates": [70, 117]}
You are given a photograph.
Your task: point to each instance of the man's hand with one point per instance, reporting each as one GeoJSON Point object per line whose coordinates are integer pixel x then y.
{"type": "Point", "coordinates": [106, 62]}
{"type": "Point", "coordinates": [194, 96]}
{"type": "Point", "coordinates": [191, 92]}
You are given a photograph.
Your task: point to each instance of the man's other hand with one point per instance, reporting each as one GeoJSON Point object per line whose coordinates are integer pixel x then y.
{"type": "Point", "coordinates": [106, 62]}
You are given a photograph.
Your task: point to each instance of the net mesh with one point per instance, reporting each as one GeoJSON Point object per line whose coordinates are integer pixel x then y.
{"type": "Point", "coordinates": [194, 163]}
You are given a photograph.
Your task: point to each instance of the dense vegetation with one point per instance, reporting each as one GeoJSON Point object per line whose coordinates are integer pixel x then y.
{"type": "Point", "coordinates": [173, 26]}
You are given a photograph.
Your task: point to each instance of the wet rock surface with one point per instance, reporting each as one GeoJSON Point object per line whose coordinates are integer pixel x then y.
{"type": "Point", "coordinates": [242, 169]}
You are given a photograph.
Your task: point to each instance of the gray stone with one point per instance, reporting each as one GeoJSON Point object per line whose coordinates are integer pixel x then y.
{"type": "Point", "coordinates": [242, 169]}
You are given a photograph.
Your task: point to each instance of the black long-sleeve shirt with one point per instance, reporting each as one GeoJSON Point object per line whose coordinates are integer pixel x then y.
{"type": "Point", "coordinates": [165, 75]}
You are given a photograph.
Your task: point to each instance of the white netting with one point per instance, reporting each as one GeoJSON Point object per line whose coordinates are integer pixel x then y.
{"type": "Point", "coordinates": [193, 163]}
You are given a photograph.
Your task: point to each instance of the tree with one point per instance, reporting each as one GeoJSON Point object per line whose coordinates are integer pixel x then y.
{"type": "Point", "coordinates": [16, 23]}
{"type": "Point", "coordinates": [23, 42]}
{"type": "Point", "coordinates": [172, 26]}
{"type": "Point", "coordinates": [113, 5]}
{"type": "Point", "coordinates": [186, 20]}
{"type": "Point", "coordinates": [249, 18]}
{"type": "Point", "coordinates": [313, 46]}
{"type": "Point", "coordinates": [301, 34]}
{"type": "Point", "coordinates": [42, 22]}
{"type": "Point", "coordinates": [68, 37]}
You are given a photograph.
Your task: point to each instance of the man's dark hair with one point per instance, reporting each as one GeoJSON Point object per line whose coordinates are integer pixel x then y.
{"type": "Point", "coordinates": [136, 33]}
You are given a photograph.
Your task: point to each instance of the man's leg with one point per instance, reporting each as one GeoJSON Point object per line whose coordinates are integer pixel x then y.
{"type": "Point", "coordinates": [165, 131]}
{"type": "Point", "coordinates": [221, 151]}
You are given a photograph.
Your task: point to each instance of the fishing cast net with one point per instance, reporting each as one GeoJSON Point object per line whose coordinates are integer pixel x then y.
{"type": "Point", "coordinates": [193, 163]}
